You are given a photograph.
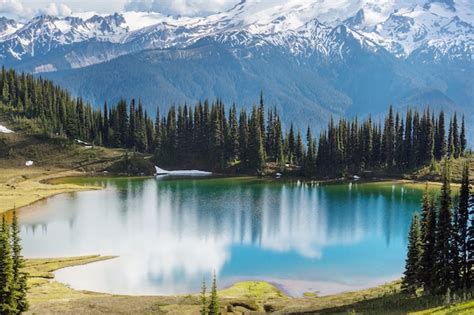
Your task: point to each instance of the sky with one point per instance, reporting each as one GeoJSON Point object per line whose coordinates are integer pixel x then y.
{"type": "Point", "coordinates": [25, 9]}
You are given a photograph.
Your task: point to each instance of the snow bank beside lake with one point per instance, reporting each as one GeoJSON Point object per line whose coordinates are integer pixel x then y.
{"type": "Point", "coordinates": [4, 129]}
{"type": "Point", "coordinates": [160, 171]}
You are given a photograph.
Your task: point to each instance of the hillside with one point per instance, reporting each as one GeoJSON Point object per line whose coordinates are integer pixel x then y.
{"type": "Point", "coordinates": [314, 59]}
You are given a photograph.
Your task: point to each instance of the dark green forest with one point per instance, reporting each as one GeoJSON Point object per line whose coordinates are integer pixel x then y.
{"type": "Point", "coordinates": [211, 136]}
{"type": "Point", "coordinates": [440, 256]}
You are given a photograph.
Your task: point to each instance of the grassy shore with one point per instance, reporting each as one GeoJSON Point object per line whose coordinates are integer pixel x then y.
{"type": "Point", "coordinates": [48, 296]}
{"type": "Point", "coordinates": [23, 186]}
{"type": "Point", "coordinates": [51, 297]}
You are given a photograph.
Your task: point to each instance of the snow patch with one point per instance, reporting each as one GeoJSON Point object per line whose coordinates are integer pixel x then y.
{"type": "Point", "coordinates": [160, 171]}
{"type": "Point", "coordinates": [45, 68]}
{"type": "Point", "coordinates": [4, 129]}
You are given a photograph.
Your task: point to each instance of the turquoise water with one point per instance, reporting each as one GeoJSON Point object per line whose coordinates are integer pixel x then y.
{"type": "Point", "coordinates": [170, 233]}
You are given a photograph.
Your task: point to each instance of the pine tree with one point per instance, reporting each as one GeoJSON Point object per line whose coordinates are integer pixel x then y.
{"type": "Point", "coordinates": [456, 140]}
{"type": "Point", "coordinates": [428, 235]}
{"type": "Point", "coordinates": [256, 152]}
{"type": "Point", "coordinates": [463, 225]}
{"type": "Point", "coordinates": [440, 141]}
{"type": "Point", "coordinates": [462, 140]}
{"type": "Point", "coordinates": [470, 242]}
{"type": "Point", "coordinates": [243, 139]}
{"type": "Point", "coordinates": [203, 310]}
{"type": "Point", "coordinates": [261, 116]}
{"type": "Point", "coordinates": [19, 277]}
{"type": "Point", "coordinates": [234, 133]}
{"type": "Point", "coordinates": [299, 149]}
{"type": "Point", "coordinates": [444, 233]}
{"type": "Point", "coordinates": [411, 279]}
{"type": "Point", "coordinates": [214, 302]}
{"type": "Point", "coordinates": [409, 158]}
{"type": "Point", "coordinates": [7, 288]}
{"type": "Point", "coordinates": [291, 144]}
{"type": "Point", "coordinates": [389, 139]}
{"type": "Point", "coordinates": [451, 148]}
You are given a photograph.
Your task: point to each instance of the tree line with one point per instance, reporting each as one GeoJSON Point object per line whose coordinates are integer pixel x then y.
{"type": "Point", "coordinates": [13, 281]}
{"type": "Point", "coordinates": [211, 136]}
{"type": "Point", "coordinates": [440, 256]}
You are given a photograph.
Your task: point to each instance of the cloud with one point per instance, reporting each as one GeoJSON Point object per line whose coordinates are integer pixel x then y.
{"type": "Point", "coordinates": [56, 9]}
{"type": "Point", "coordinates": [17, 10]}
{"type": "Point", "coordinates": [11, 7]}
{"type": "Point", "coordinates": [180, 7]}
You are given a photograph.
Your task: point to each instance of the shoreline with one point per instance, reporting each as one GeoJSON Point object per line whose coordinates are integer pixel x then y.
{"type": "Point", "coordinates": [47, 293]}
{"type": "Point", "coordinates": [21, 187]}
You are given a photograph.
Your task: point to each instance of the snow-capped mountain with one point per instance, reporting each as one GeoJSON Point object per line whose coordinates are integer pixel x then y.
{"type": "Point", "coordinates": [7, 27]}
{"type": "Point", "coordinates": [312, 58]}
{"type": "Point", "coordinates": [435, 29]}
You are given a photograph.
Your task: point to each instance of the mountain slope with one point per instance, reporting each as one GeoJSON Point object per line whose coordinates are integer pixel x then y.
{"type": "Point", "coordinates": [313, 58]}
{"type": "Point", "coordinates": [307, 90]}
{"type": "Point", "coordinates": [433, 29]}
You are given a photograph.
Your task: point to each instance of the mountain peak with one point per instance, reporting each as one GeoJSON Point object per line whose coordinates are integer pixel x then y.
{"type": "Point", "coordinates": [448, 3]}
{"type": "Point", "coordinates": [357, 20]}
{"type": "Point", "coordinates": [299, 26]}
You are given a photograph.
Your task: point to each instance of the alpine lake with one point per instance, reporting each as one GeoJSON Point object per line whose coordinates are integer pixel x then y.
{"type": "Point", "coordinates": [169, 233]}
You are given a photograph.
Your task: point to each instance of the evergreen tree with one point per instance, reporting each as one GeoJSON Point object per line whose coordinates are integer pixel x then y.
{"type": "Point", "coordinates": [244, 138]}
{"type": "Point", "coordinates": [444, 233]}
{"type": "Point", "coordinates": [456, 140]}
{"type": "Point", "coordinates": [19, 277]}
{"type": "Point", "coordinates": [451, 148]}
{"type": "Point", "coordinates": [214, 302]}
{"type": "Point", "coordinates": [256, 152]}
{"type": "Point", "coordinates": [440, 143]}
{"type": "Point", "coordinates": [106, 127]}
{"type": "Point", "coordinates": [409, 151]}
{"type": "Point", "coordinates": [279, 147]}
{"type": "Point", "coordinates": [203, 310]}
{"type": "Point", "coordinates": [234, 133]}
{"type": "Point", "coordinates": [261, 116]}
{"type": "Point", "coordinates": [7, 285]}
{"type": "Point", "coordinates": [428, 235]}
{"type": "Point", "coordinates": [470, 242]}
{"type": "Point", "coordinates": [299, 149]}
{"type": "Point", "coordinates": [389, 139]}
{"type": "Point", "coordinates": [291, 144]}
{"type": "Point", "coordinates": [411, 279]}
{"type": "Point", "coordinates": [462, 140]}
{"type": "Point", "coordinates": [462, 227]}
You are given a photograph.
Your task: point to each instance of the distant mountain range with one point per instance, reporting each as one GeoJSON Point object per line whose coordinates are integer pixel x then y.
{"type": "Point", "coordinates": [312, 59]}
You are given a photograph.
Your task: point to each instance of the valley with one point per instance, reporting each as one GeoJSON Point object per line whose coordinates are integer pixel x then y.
{"type": "Point", "coordinates": [237, 157]}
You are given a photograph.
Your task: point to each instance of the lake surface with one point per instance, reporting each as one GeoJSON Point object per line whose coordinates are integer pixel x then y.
{"type": "Point", "coordinates": [170, 233]}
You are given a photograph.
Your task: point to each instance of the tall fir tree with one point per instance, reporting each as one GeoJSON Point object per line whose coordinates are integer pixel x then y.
{"type": "Point", "coordinates": [444, 237]}
{"type": "Point", "coordinates": [7, 285]}
{"type": "Point", "coordinates": [411, 279]}
{"type": "Point", "coordinates": [463, 228]}
{"type": "Point", "coordinates": [456, 140]}
{"type": "Point", "coordinates": [256, 151]}
{"type": "Point", "coordinates": [19, 276]}
{"type": "Point", "coordinates": [462, 138]}
{"type": "Point", "coordinates": [203, 310]}
{"type": "Point", "coordinates": [214, 300]}
{"type": "Point", "coordinates": [440, 141]}
{"type": "Point", "coordinates": [428, 235]}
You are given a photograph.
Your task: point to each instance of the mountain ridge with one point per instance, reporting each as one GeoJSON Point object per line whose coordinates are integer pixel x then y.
{"type": "Point", "coordinates": [311, 58]}
{"type": "Point", "coordinates": [406, 28]}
